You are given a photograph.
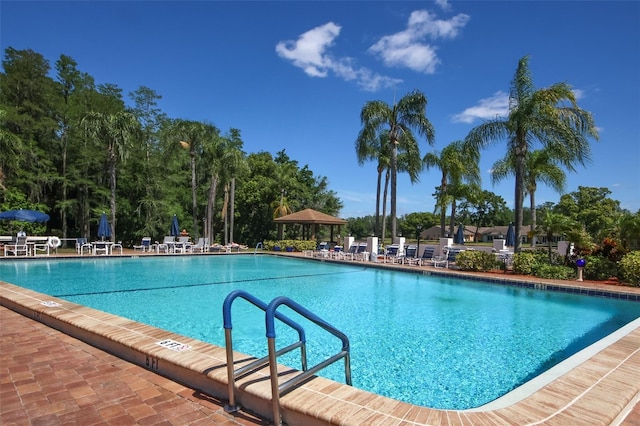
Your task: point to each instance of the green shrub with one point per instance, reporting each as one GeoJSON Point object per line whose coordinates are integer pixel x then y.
{"type": "Point", "coordinates": [525, 262]}
{"type": "Point", "coordinates": [599, 268]}
{"type": "Point", "coordinates": [554, 272]}
{"type": "Point", "coordinates": [477, 260]}
{"type": "Point", "coordinates": [629, 269]}
{"type": "Point", "coordinates": [298, 245]}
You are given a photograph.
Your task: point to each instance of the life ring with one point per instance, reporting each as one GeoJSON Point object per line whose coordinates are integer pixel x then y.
{"type": "Point", "coordinates": [54, 242]}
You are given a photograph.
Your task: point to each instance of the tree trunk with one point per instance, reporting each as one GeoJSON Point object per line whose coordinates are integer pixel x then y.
{"type": "Point", "coordinates": [210, 206]}
{"type": "Point", "coordinates": [225, 208]}
{"type": "Point", "coordinates": [377, 224]}
{"type": "Point", "coordinates": [232, 207]}
{"type": "Point", "coordinates": [63, 210]}
{"type": "Point", "coordinates": [443, 207]}
{"type": "Point", "coordinates": [384, 206]}
{"type": "Point", "coordinates": [532, 200]}
{"type": "Point", "coordinates": [394, 178]}
{"type": "Point", "coordinates": [520, 153]}
{"type": "Point", "coordinates": [193, 194]}
{"type": "Point", "coordinates": [452, 219]}
{"type": "Point", "coordinates": [112, 178]}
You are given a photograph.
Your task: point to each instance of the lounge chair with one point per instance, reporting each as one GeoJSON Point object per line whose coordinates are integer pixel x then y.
{"type": "Point", "coordinates": [410, 256]}
{"type": "Point", "coordinates": [322, 250]}
{"type": "Point", "coordinates": [361, 254]}
{"type": "Point", "coordinates": [42, 246]}
{"type": "Point", "coordinates": [452, 255]}
{"type": "Point", "coordinates": [427, 256]}
{"type": "Point", "coordinates": [348, 255]}
{"type": "Point", "coordinates": [219, 248]}
{"type": "Point", "coordinates": [116, 246]}
{"type": "Point", "coordinates": [391, 254]}
{"type": "Point", "coordinates": [167, 245]}
{"type": "Point", "coordinates": [20, 248]}
{"type": "Point", "coordinates": [183, 245]}
{"type": "Point", "coordinates": [145, 245]}
{"type": "Point", "coordinates": [81, 245]}
{"type": "Point", "coordinates": [336, 253]}
{"type": "Point", "coordinates": [201, 245]}
{"type": "Point", "coordinates": [442, 260]}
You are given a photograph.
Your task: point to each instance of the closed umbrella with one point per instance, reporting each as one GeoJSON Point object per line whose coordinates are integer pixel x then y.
{"type": "Point", "coordinates": [511, 236]}
{"type": "Point", "coordinates": [175, 228]}
{"type": "Point", "coordinates": [24, 216]}
{"type": "Point", "coordinates": [459, 237]}
{"type": "Point", "coordinates": [104, 230]}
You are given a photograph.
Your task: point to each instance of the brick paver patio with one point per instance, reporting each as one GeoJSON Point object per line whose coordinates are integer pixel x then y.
{"type": "Point", "coordinates": [49, 378]}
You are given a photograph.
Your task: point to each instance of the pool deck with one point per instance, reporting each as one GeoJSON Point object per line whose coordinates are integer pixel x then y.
{"type": "Point", "coordinates": [63, 363]}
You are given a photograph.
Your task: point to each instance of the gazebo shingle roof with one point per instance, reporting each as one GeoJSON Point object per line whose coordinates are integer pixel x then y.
{"type": "Point", "coordinates": [310, 216]}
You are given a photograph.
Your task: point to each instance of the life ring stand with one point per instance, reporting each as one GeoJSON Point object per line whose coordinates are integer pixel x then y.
{"type": "Point", "coordinates": [54, 242]}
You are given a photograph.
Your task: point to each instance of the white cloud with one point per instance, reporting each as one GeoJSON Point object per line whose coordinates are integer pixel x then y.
{"type": "Point", "coordinates": [310, 52]}
{"type": "Point", "coordinates": [408, 48]}
{"type": "Point", "coordinates": [486, 109]}
{"type": "Point", "coordinates": [578, 93]}
{"type": "Point", "coordinates": [443, 4]}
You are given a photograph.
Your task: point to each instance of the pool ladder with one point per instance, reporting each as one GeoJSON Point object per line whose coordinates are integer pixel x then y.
{"type": "Point", "coordinates": [277, 389]}
{"type": "Point", "coordinates": [259, 245]}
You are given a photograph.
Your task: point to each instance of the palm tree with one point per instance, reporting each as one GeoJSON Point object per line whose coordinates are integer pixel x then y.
{"type": "Point", "coordinates": [281, 209]}
{"type": "Point", "coordinates": [400, 120]}
{"type": "Point", "coordinates": [550, 116]}
{"type": "Point", "coordinates": [235, 165]}
{"type": "Point", "coordinates": [116, 131]}
{"type": "Point", "coordinates": [540, 166]}
{"type": "Point", "coordinates": [457, 162]}
{"type": "Point", "coordinates": [194, 136]}
{"type": "Point", "coordinates": [376, 149]}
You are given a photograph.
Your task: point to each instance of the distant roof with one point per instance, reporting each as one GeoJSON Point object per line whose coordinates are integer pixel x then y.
{"type": "Point", "coordinates": [309, 216]}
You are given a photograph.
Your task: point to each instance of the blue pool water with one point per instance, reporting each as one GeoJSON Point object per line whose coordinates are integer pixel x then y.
{"type": "Point", "coordinates": [431, 341]}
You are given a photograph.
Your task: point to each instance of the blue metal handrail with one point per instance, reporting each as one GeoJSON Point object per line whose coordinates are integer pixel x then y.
{"type": "Point", "coordinates": [276, 389]}
{"type": "Point", "coordinates": [233, 374]}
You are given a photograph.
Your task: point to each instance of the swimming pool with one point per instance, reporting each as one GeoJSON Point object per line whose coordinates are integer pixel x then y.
{"type": "Point", "coordinates": [431, 341]}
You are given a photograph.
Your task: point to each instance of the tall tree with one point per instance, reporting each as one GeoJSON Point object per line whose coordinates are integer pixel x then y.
{"type": "Point", "coordinates": [235, 166]}
{"type": "Point", "coordinates": [376, 149]}
{"type": "Point", "coordinates": [549, 116]}
{"type": "Point", "coordinates": [592, 208]}
{"type": "Point", "coordinates": [194, 136]}
{"type": "Point", "coordinates": [116, 132]}
{"type": "Point", "coordinates": [401, 120]}
{"type": "Point", "coordinates": [457, 162]}
{"type": "Point", "coordinates": [540, 166]}
{"type": "Point", "coordinates": [26, 95]}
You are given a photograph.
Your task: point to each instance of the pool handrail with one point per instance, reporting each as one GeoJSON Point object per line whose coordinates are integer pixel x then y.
{"type": "Point", "coordinates": [233, 374]}
{"type": "Point", "coordinates": [278, 389]}
{"type": "Point", "coordinates": [259, 245]}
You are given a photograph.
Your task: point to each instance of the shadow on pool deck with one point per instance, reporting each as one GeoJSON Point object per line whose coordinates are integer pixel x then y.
{"type": "Point", "coordinates": [51, 378]}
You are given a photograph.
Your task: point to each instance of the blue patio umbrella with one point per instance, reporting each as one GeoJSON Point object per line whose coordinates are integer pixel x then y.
{"type": "Point", "coordinates": [459, 237]}
{"type": "Point", "coordinates": [175, 228]}
{"type": "Point", "coordinates": [104, 230]}
{"type": "Point", "coordinates": [511, 236]}
{"type": "Point", "coordinates": [24, 216]}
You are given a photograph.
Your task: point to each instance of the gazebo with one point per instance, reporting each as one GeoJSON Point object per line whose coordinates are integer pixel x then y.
{"type": "Point", "coordinates": [310, 217]}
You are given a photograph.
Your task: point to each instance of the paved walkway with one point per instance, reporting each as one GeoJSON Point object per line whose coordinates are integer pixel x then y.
{"type": "Point", "coordinates": [49, 378]}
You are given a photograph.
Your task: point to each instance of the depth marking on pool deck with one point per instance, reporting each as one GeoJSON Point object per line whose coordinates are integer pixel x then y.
{"type": "Point", "coordinates": [129, 290]}
{"type": "Point", "coordinates": [173, 345]}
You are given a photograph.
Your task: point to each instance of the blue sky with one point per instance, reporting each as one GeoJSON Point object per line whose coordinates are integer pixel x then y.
{"type": "Point", "coordinates": [294, 75]}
